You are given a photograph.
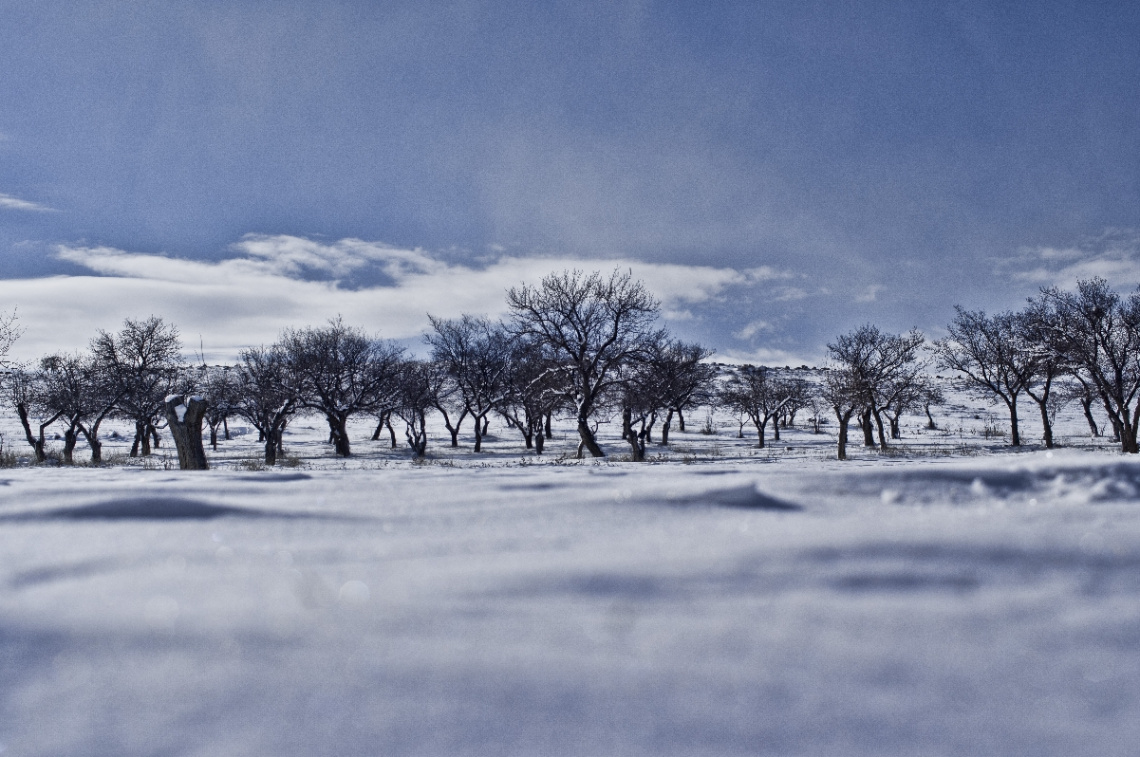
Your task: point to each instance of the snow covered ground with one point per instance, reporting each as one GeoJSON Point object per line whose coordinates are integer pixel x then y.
{"type": "Point", "coordinates": [721, 600]}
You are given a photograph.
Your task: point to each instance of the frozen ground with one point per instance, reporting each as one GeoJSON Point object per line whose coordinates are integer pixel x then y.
{"type": "Point", "coordinates": [727, 601]}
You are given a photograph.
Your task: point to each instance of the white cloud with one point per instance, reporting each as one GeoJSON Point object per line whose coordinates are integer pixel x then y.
{"type": "Point", "coordinates": [8, 202]}
{"type": "Point", "coordinates": [752, 329]}
{"type": "Point", "coordinates": [1114, 256]}
{"type": "Point", "coordinates": [249, 298]}
{"type": "Point", "coordinates": [769, 356]}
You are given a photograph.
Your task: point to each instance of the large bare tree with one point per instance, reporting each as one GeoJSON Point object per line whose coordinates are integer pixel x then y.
{"type": "Point", "coordinates": [340, 372]}
{"type": "Point", "coordinates": [1098, 332]}
{"type": "Point", "coordinates": [144, 362]}
{"type": "Point", "coordinates": [476, 354]}
{"type": "Point", "coordinates": [590, 325]}
{"type": "Point", "coordinates": [987, 352]}
{"type": "Point", "coordinates": [267, 394]}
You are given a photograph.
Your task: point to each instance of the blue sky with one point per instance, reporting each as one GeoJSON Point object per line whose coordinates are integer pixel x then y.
{"type": "Point", "coordinates": [779, 172]}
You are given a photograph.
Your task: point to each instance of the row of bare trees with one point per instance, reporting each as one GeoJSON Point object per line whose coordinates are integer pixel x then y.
{"type": "Point", "coordinates": [576, 343]}
{"type": "Point", "coordinates": [587, 346]}
{"type": "Point", "coordinates": [1081, 345]}
{"type": "Point", "coordinates": [1063, 346]}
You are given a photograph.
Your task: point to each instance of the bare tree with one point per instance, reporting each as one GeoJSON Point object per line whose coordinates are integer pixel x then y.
{"type": "Point", "coordinates": [880, 365]}
{"type": "Point", "coordinates": [340, 372]}
{"type": "Point", "coordinates": [1098, 333]}
{"type": "Point", "coordinates": [63, 393]}
{"type": "Point", "coordinates": [145, 364]}
{"type": "Point", "coordinates": [416, 396]}
{"type": "Point", "coordinates": [844, 391]}
{"type": "Point", "coordinates": [987, 352]}
{"type": "Point", "coordinates": [476, 355]}
{"type": "Point", "coordinates": [219, 385]}
{"type": "Point", "coordinates": [591, 325]}
{"type": "Point", "coordinates": [533, 392]}
{"type": "Point", "coordinates": [26, 393]}
{"type": "Point", "coordinates": [687, 381]}
{"type": "Point", "coordinates": [1038, 329]}
{"type": "Point", "coordinates": [267, 394]}
{"type": "Point", "coordinates": [758, 393]}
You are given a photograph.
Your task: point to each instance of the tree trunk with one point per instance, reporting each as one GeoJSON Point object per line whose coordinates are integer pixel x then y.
{"type": "Point", "coordinates": [225, 429]}
{"type": "Point", "coordinates": [776, 427]}
{"type": "Point", "coordinates": [865, 424]}
{"type": "Point", "coordinates": [92, 437]}
{"type": "Point", "coordinates": [680, 420]}
{"type": "Point", "coordinates": [665, 425]}
{"type": "Point", "coordinates": [214, 436]}
{"type": "Point", "coordinates": [589, 443]}
{"type": "Point", "coordinates": [1045, 424]}
{"type": "Point", "coordinates": [637, 446]}
{"type": "Point", "coordinates": [1015, 433]}
{"type": "Point", "coordinates": [480, 429]}
{"type": "Point", "coordinates": [1086, 405]}
{"type": "Point", "coordinates": [37, 443]}
{"type": "Point", "coordinates": [184, 419]}
{"type": "Point", "coordinates": [760, 426]}
{"type": "Point", "coordinates": [844, 421]}
{"type": "Point", "coordinates": [338, 433]}
{"type": "Point", "coordinates": [548, 424]}
{"type": "Point", "coordinates": [879, 427]}
{"type": "Point", "coordinates": [539, 441]}
{"type": "Point", "coordinates": [895, 432]}
{"type": "Point", "coordinates": [929, 418]}
{"type": "Point", "coordinates": [70, 437]}
{"type": "Point", "coordinates": [271, 448]}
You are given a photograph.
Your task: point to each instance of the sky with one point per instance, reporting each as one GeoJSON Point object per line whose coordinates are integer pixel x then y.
{"type": "Point", "coordinates": [778, 173]}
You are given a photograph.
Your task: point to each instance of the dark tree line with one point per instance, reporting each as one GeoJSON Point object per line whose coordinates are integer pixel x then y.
{"type": "Point", "coordinates": [586, 346]}
{"type": "Point", "coordinates": [583, 344]}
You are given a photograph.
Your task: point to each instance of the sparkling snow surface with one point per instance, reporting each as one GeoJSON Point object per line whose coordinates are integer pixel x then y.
{"type": "Point", "coordinates": [784, 604]}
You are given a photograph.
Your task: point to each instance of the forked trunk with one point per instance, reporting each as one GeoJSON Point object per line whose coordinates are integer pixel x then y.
{"type": "Point", "coordinates": [184, 419]}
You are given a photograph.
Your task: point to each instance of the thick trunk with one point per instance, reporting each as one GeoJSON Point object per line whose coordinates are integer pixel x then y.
{"type": "Point", "coordinates": [70, 437]}
{"type": "Point", "coordinates": [929, 418]}
{"type": "Point", "coordinates": [92, 436]}
{"type": "Point", "coordinates": [225, 429]}
{"type": "Point", "coordinates": [844, 420]}
{"type": "Point", "coordinates": [338, 434]}
{"type": "Point", "coordinates": [1046, 426]}
{"type": "Point", "coordinates": [760, 426]}
{"type": "Point", "coordinates": [271, 448]}
{"type": "Point", "coordinates": [868, 432]}
{"type": "Point", "coordinates": [1015, 433]}
{"type": "Point", "coordinates": [549, 422]}
{"type": "Point", "coordinates": [776, 428]}
{"type": "Point", "coordinates": [637, 446]}
{"type": "Point", "coordinates": [184, 419]}
{"type": "Point", "coordinates": [665, 428]}
{"type": "Point", "coordinates": [539, 441]}
{"type": "Point", "coordinates": [589, 443]}
{"type": "Point", "coordinates": [214, 436]}
{"type": "Point", "coordinates": [480, 429]}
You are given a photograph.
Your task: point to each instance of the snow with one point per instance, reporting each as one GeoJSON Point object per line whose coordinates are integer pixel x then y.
{"type": "Point", "coordinates": [728, 603]}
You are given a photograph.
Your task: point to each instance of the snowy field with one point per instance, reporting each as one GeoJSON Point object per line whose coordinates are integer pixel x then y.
{"type": "Point", "coordinates": [951, 597]}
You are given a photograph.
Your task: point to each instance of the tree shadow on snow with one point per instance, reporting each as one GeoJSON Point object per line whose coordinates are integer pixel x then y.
{"type": "Point", "coordinates": [156, 507]}
{"type": "Point", "coordinates": [744, 497]}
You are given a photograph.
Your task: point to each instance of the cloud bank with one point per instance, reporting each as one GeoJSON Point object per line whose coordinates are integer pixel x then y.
{"type": "Point", "coordinates": [8, 202]}
{"type": "Point", "coordinates": [279, 281]}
